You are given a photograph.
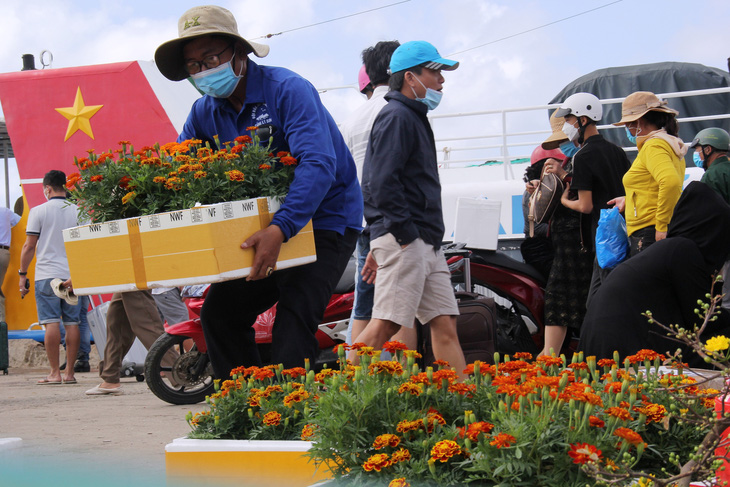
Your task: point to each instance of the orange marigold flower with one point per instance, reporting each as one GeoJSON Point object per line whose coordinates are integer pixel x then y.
{"type": "Point", "coordinates": [583, 453]}
{"type": "Point", "coordinates": [523, 356]}
{"type": "Point", "coordinates": [324, 373]}
{"type": "Point", "coordinates": [295, 396]}
{"type": "Point", "coordinates": [389, 367]}
{"type": "Point", "coordinates": [294, 372]}
{"type": "Point", "coordinates": [237, 149]}
{"type": "Point", "coordinates": [444, 449]}
{"type": "Point", "coordinates": [410, 387]}
{"type": "Point", "coordinates": [654, 412]}
{"type": "Point", "coordinates": [271, 390]}
{"type": "Point", "coordinates": [441, 363]}
{"type": "Point", "coordinates": [578, 366]}
{"type": "Point", "coordinates": [463, 389]}
{"type": "Point", "coordinates": [174, 183]}
{"type": "Point", "coordinates": [614, 387]}
{"type": "Point", "coordinates": [357, 346]}
{"type": "Point", "coordinates": [251, 128]}
{"type": "Point", "coordinates": [596, 421]}
{"type": "Point", "coordinates": [235, 175]}
{"type": "Point", "coordinates": [376, 462]}
{"type": "Point", "coordinates": [386, 440]}
{"type": "Point", "coordinates": [412, 354]}
{"type": "Point", "coordinates": [440, 375]}
{"type": "Point", "coordinates": [369, 351]}
{"type": "Point", "coordinates": [549, 360]}
{"type": "Point", "coordinates": [282, 154]}
{"type": "Point", "coordinates": [405, 426]}
{"type": "Point", "coordinates": [503, 440]}
{"type": "Point", "coordinates": [272, 418]}
{"type": "Point", "coordinates": [394, 346]}
{"type": "Point", "coordinates": [264, 167]}
{"type": "Point", "coordinates": [606, 362]}
{"type": "Point", "coordinates": [629, 435]}
{"type": "Point", "coordinates": [475, 429]}
{"type": "Point", "coordinates": [96, 178]}
{"type": "Point", "coordinates": [288, 161]}
{"type": "Point", "coordinates": [243, 139]}
{"type": "Point", "coordinates": [159, 179]}
{"type": "Point", "coordinates": [483, 368]}
{"type": "Point", "coordinates": [619, 413]}
{"type": "Point", "coordinates": [200, 174]}
{"type": "Point", "coordinates": [262, 374]}
{"type": "Point", "coordinates": [399, 482]}
{"type": "Point", "coordinates": [644, 355]}
{"type": "Point", "coordinates": [307, 432]}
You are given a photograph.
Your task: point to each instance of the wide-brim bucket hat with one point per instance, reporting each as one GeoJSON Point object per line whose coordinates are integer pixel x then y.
{"type": "Point", "coordinates": [639, 103]}
{"type": "Point", "coordinates": [558, 136]}
{"type": "Point", "coordinates": [197, 22]}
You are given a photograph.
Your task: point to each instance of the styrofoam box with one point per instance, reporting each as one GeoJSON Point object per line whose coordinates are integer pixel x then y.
{"type": "Point", "coordinates": [477, 223]}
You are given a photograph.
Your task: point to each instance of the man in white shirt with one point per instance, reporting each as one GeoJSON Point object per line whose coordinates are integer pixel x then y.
{"type": "Point", "coordinates": [44, 240]}
{"type": "Point", "coordinates": [356, 132]}
{"type": "Point", "coordinates": [8, 219]}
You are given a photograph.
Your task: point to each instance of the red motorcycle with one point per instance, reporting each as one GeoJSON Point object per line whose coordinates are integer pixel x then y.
{"type": "Point", "coordinates": [190, 378]}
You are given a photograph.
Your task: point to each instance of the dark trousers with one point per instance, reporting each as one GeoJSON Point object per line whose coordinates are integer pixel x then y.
{"type": "Point", "coordinates": [302, 292]}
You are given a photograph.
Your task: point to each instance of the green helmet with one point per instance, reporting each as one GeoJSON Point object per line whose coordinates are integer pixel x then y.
{"type": "Point", "coordinates": [714, 137]}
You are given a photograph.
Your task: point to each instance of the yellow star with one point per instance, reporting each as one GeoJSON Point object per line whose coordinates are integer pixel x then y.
{"type": "Point", "coordinates": [79, 116]}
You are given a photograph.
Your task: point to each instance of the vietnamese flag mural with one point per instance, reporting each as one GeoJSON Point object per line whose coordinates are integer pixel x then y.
{"type": "Point", "coordinates": [53, 115]}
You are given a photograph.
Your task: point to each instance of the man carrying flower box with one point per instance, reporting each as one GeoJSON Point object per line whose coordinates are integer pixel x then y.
{"type": "Point", "coordinates": [240, 94]}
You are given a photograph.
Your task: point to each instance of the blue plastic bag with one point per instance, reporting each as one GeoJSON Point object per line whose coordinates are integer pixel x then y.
{"type": "Point", "coordinates": [612, 243]}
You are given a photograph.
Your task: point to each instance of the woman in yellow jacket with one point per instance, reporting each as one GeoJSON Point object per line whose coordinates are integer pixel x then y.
{"type": "Point", "coordinates": [654, 182]}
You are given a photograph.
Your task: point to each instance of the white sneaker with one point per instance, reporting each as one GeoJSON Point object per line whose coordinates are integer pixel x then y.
{"type": "Point", "coordinates": [102, 391]}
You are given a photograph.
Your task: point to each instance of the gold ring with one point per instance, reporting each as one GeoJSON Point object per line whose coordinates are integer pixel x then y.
{"type": "Point", "coordinates": [269, 271]}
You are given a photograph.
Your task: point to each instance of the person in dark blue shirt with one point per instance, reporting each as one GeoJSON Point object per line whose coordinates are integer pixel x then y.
{"type": "Point", "coordinates": [239, 94]}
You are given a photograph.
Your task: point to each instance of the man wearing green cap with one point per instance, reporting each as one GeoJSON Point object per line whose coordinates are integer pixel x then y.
{"type": "Point", "coordinates": [402, 195]}
{"type": "Point", "coordinates": [711, 147]}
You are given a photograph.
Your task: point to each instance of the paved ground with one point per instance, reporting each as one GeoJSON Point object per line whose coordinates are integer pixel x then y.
{"type": "Point", "coordinates": [72, 439]}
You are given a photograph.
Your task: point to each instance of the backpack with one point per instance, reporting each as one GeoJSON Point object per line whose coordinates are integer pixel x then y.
{"type": "Point", "coordinates": [544, 199]}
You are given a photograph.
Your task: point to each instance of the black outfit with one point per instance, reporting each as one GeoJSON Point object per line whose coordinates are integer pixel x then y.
{"type": "Point", "coordinates": [570, 275]}
{"type": "Point", "coordinates": [667, 279]}
{"type": "Point", "coordinates": [402, 149]}
{"type": "Point", "coordinates": [598, 166]}
{"type": "Point", "coordinates": [308, 288]}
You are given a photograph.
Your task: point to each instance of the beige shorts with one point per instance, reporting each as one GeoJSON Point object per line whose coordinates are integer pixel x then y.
{"type": "Point", "coordinates": [412, 282]}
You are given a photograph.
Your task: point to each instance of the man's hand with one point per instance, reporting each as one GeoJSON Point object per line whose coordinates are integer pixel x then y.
{"type": "Point", "coordinates": [266, 244]}
{"type": "Point", "coordinates": [23, 286]}
{"type": "Point", "coordinates": [564, 199]}
{"type": "Point", "coordinates": [659, 235]}
{"type": "Point", "coordinates": [370, 269]}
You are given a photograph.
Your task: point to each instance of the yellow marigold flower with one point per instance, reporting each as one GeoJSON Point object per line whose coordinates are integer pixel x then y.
{"type": "Point", "coordinates": [200, 174]}
{"type": "Point", "coordinates": [389, 367]}
{"type": "Point", "coordinates": [445, 449]}
{"type": "Point", "coordinates": [653, 412]}
{"type": "Point", "coordinates": [399, 482]}
{"type": "Point", "coordinates": [376, 462]}
{"type": "Point", "coordinates": [159, 179]}
{"type": "Point", "coordinates": [307, 432]}
{"type": "Point", "coordinates": [128, 197]}
{"type": "Point", "coordinates": [718, 343]}
{"type": "Point", "coordinates": [235, 175]}
{"type": "Point", "coordinates": [386, 440]}
{"type": "Point", "coordinates": [402, 455]}
{"type": "Point", "coordinates": [296, 396]}
{"type": "Point", "coordinates": [272, 418]}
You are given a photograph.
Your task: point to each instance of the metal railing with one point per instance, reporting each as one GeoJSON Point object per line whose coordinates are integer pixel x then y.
{"type": "Point", "coordinates": [502, 150]}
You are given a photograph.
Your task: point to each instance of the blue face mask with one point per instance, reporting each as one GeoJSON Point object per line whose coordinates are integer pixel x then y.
{"type": "Point", "coordinates": [568, 148]}
{"type": "Point", "coordinates": [632, 138]}
{"type": "Point", "coordinates": [219, 82]}
{"type": "Point", "coordinates": [433, 97]}
{"type": "Point", "coordinates": [697, 160]}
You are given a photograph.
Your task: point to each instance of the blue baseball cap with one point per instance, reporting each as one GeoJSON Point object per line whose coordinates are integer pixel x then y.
{"type": "Point", "coordinates": [417, 53]}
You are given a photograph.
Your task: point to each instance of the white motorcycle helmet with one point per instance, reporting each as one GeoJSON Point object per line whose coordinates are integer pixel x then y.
{"type": "Point", "coordinates": [581, 105]}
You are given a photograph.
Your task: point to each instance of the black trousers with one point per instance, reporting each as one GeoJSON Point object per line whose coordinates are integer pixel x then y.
{"type": "Point", "coordinates": [231, 308]}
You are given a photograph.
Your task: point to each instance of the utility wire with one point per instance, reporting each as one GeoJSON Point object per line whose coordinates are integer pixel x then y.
{"type": "Point", "coordinates": [536, 28]}
{"type": "Point", "coordinates": [330, 20]}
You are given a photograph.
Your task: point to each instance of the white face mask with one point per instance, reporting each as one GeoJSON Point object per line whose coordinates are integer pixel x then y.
{"type": "Point", "coordinates": [571, 132]}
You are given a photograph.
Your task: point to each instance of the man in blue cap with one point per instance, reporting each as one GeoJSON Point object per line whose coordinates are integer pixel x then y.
{"type": "Point", "coordinates": [402, 195]}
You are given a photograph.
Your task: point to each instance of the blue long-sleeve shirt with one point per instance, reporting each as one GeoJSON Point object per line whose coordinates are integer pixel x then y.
{"type": "Point", "coordinates": [325, 187]}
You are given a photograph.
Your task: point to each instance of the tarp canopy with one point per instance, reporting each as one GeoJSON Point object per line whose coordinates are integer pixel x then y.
{"type": "Point", "coordinates": [658, 78]}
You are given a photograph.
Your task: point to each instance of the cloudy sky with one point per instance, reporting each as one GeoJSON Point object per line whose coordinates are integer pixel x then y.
{"type": "Point", "coordinates": [513, 53]}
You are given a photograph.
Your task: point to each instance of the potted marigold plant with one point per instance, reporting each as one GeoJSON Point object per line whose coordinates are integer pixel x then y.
{"type": "Point", "coordinates": [176, 214]}
{"type": "Point", "coordinates": [128, 183]}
